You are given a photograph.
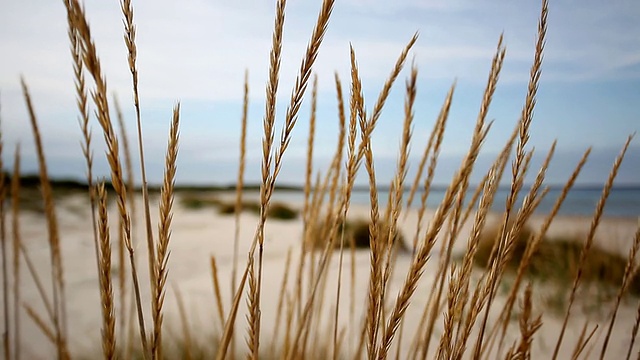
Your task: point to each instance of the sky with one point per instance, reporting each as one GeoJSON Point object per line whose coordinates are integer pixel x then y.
{"type": "Point", "coordinates": [196, 52]}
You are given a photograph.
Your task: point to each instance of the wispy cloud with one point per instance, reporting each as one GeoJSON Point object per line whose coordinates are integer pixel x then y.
{"type": "Point", "coordinates": [198, 53]}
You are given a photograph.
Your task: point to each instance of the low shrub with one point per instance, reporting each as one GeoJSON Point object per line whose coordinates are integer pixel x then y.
{"type": "Point", "coordinates": [279, 211]}
{"type": "Point", "coordinates": [356, 233]}
{"type": "Point", "coordinates": [282, 212]}
{"type": "Point", "coordinates": [197, 202]}
{"type": "Point", "coordinates": [556, 259]}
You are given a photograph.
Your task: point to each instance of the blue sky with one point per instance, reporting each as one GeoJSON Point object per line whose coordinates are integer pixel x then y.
{"type": "Point", "coordinates": [196, 52]}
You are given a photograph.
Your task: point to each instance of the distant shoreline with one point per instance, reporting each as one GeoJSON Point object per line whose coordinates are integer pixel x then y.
{"type": "Point", "coordinates": [33, 180]}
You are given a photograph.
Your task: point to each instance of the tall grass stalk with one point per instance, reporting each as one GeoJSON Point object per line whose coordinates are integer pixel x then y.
{"type": "Point", "coordinates": [164, 233]}
{"type": "Point", "coordinates": [595, 221]}
{"type": "Point", "coordinates": [335, 165]}
{"type": "Point", "coordinates": [122, 268]}
{"type": "Point", "coordinates": [17, 242]}
{"type": "Point", "coordinates": [239, 190]}
{"type": "Point", "coordinates": [216, 290]}
{"type": "Point", "coordinates": [57, 274]}
{"type": "Point", "coordinates": [634, 332]}
{"type": "Point", "coordinates": [629, 271]}
{"type": "Point", "coordinates": [6, 332]}
{"type": "Point", "coordinates": [535, 242]}
{"type": "Point", "coordinates": [132, 55]}
{"type": "Point", "coordinates": [106, 288]}
{"type": "Point", "coordinates": [100, 99]}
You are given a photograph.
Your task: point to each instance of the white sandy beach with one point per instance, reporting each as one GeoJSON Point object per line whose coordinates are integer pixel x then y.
{"type": "Point", "coordinates": [199, 234]}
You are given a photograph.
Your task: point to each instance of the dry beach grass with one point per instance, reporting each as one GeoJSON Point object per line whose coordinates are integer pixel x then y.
{"type": "Point", "coordinates": [328, 299]}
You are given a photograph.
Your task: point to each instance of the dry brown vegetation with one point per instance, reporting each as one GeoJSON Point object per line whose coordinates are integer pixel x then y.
{"type": "Point", "coordinates": [556, 259]}
{"type": "Point", "coordinates": [356, 233]}
{"type": "Point", "coordinates": [277, 210]}
{"type": "Point", "coordinates": [460, 299]}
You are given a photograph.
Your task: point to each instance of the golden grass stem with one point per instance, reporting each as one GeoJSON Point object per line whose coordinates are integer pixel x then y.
{"type": "Point", "coordinates": [351, 169]}
{"type": "Point", "coordinates": [629, 271]}
{"type": "Point", "coordinates": [528, 326]}
{"type": "Point", "coordinates": [228, 329]}
{"type": "Point", "coordinates": [375, 283]}
{"type": "Point", "coordinates": [17, 241]}
{"type": "Point", "coordinates": [309, 163]}
{"type": "Point", "coordinates": [57, 273]}
{"type": "Point", "coordinates": [315, 205]}
{"type": "Point", "coordinates": [83, 109]}
{"type": "Point", "coordinates": [240, 183]}
{"type": "Point", "coordinates": [164, 232]}
{"type": "Point", "coordinates": [239, 191]}
{"type": "Point", "coordinates": [582, 342]}
{"type": "Point", "coordinates": [185, 323]}
{"type": "Point", "coordinates": [272, 161]}
{"type": "Point", "coordinates": [634, 332]}
{"type": "Point", "coordinates": [394, 206]}
{"type": "Point", "coordinates": [6, 333]}
{"type": "Point", "coordinates": [253, 340]}
{"type": "Point", "coordinates": [367, 126]}
{"type": "Point", "coordinates": [132, 53]}
{"type": "Point", "coordinates": [535, 242]}
{"type": "Point", "coordinates": [130, 190]}
{"type": "Point", "coordinates": [527, 113]}
{"type": "Point", "coordinates": [517, 173]}
{"type": "Point", "coordinates": [336, 168]}
{"type": "Point", "coordinates": [106, 288]}
{"type": "Point", "coordinates": [332, 218]}
{"type": "Point", "coordinates": [281, 298]}
{"type": "Point", "coordinates": [530, 202]}
{"type": "Point", "coordinates": [435, 142]}
{"type": "Point", "coordinates": [267, 143]}
{"type": "Point", "coordinates": [589, 241]}
{"type": "Point", "coordinates": [384, 94]}
{"type": "Point", "coordinates": [40, 323]}
{"type": "Point", "coordinates": [422, 254]}
{"type": "Point", "coordinates": [216, 290]}
{"type": "Point", "coordinates": [455, 223]}
{"type": "Point", "coordinates": [268, 123]}
{"type": "Point", "coordinates": [100, 96]}
{"type": "Point", "coordinates": [297, 94]}
{"type": "Point", "coordinates": [130, 42]}
{"type": "Point", "coordinates": [306, 206]}
{"type": "Point", "coordinates": [38, 282]}
{"type": "Point", "coordinates": [459, 283]}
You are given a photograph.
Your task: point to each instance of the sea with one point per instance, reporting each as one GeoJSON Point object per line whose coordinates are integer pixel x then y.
{"type": "Point", "coordinates": [622, 202]}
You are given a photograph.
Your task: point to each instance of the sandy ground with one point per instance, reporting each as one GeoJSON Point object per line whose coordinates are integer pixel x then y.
{"type": "Point", "coordinates": [198, 235]}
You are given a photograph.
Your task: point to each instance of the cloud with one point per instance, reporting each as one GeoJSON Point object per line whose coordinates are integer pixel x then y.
{"type": "Point", "coordinates": [196, 51]}
{"type": "Point", "coordinates": [198, 54]}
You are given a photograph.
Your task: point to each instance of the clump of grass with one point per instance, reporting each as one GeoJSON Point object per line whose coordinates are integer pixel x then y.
{"type": "Point", "coordinates": [282, 211]}
{"type": "Point", "coordinates": [556, 259]}
{"type": "Point", "coordinates": [490, 236]}
{"type": "Point", "coordinates": [359, 230]}
{"type": "Point", "coordinates": [198, 202]}
{"type": "Point", "coordinates": [277, 210]}
{"type": "Point", "coordinates": [357, 233]}
{"type": "Point", "coordinates": [229, 208]}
